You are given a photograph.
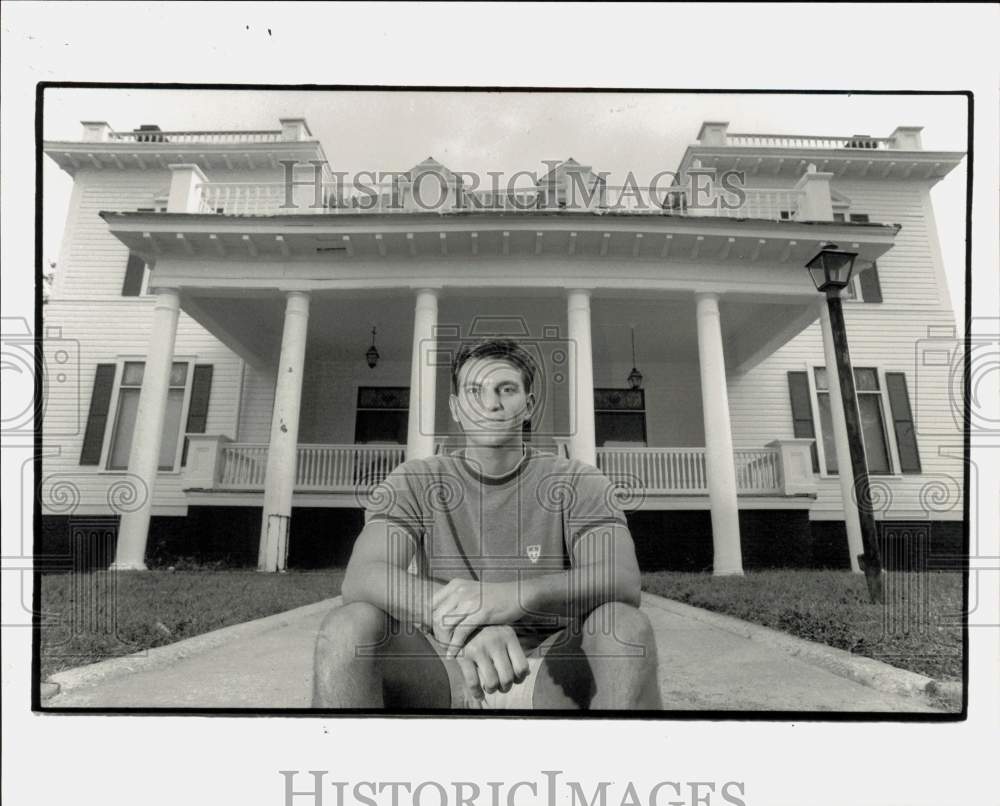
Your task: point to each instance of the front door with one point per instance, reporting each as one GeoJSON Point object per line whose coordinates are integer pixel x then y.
{"type": "Point", "coordinates": [383, 414]}
{"type": "Point", "coordinates": [620, 417]}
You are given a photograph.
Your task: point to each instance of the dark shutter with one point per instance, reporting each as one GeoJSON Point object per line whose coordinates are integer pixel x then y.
{"type": "Point", "coordinates": [902, 421]}
{"type": "Point", "coordinates": [201, 391]}
{"type": "Point", "coordinates": [97, 417]}
{"type": "Point", "coordinates": [871, 289]}
{"type": "Point", "coordinates": [134, 271]}
{"type": "Point", "coordinates": [802, 414]}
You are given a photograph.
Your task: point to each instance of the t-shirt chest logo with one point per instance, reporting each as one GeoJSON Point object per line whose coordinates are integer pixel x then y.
{"type": "Point", "coordinates": [534, 552]}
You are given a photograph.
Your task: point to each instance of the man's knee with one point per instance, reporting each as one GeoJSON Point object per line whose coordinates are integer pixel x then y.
{"type": "Point", "coordinates": [619, 624]}
{"type": "Point", "coordinates": [350, 631]}
{"type": "Point", "coordinates": [621, 649]}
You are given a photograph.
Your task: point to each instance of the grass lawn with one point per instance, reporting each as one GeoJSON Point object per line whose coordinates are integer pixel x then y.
{"type": "Point", "coordinates": [919, 627]}
{"type": "Point", "coordinates": [92, 617]}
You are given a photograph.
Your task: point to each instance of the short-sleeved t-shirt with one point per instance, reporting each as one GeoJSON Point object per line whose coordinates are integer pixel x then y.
{"type": "Point", "coordinates": [495, 528]}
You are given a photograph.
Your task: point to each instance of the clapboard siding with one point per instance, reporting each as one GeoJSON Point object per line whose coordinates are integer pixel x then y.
{"type": "Point", "coordinates": [85, 331]}
{"type": "Point", "coordinates": [92, 263]}
{"type": "Point", "coordinates": [914, 317]}
{"type": "Point", "coordinates": [907, 272]}
{"type": "Point", "coordinates": [103, 327]}
{"type": "Point", "coordinates": [257, 405]}
{"type": "Point", "coordinates": [761, 411]}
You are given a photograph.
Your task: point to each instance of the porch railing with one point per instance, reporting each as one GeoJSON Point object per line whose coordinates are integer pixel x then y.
{"type": "Point", "coordinates": [782, 468]}
{"type": "Point", "coordinates": [674, 470]}
{"type": "Point", "coordinates": [243, 466]}
{"type": "Point", "coordinates": [758, 471]}
{"type": "Point", "coordinates": [682, 471]}
{"type": "Point", "coordinates": [248, 198]}
{"type": "Point", "coordinates": [765, 203]}
{"type": "Point", "coordinates": [557, 445]}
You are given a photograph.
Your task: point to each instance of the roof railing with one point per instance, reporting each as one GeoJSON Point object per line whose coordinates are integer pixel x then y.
{"type": "Point", "coordinates": [156, 136]}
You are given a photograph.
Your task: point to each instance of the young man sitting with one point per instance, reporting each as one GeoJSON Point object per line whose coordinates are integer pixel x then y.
{"type": "Point", "coordinates": [526, 589]}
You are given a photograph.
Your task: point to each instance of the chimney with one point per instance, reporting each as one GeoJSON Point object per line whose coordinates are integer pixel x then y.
{"type": "Point", "coordinates": [149, 133]}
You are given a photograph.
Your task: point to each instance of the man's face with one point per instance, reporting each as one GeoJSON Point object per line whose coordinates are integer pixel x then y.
{"type": "Point", "coordinates": [492, 403]}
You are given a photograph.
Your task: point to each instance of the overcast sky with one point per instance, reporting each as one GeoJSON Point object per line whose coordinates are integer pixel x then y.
{"type": "Point", "coordinates": [510, 131]}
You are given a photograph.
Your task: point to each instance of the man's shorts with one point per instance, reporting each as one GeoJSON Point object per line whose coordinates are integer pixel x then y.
{"type": "Point", "coordinates": [520, 695]}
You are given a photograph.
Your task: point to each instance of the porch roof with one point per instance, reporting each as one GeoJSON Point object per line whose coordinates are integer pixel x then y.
{"type": "Point", "coordinates": [852, 163]}
{"type": "Point", "coordinates": [467, 233]}
{"type": "Point", "coordinates": [254, 151]}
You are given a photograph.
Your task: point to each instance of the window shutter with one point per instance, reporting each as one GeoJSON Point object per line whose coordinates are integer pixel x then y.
{"type": "Point", "coordinates": [802, 415]}
{"type": "Point", "coordinates": [871, 289]}
{"type": "Point", "coordinates": [97, 417]}
{"type": "Point", "coordinates": [201, 390]}
{"type": "Point", "coordinates": [902, 421]}
{"type": "Point", "coordinates": [134, 272]}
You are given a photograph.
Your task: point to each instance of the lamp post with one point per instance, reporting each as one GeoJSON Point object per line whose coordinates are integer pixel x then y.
{"type": "Point", "coordinates": [831, 271]}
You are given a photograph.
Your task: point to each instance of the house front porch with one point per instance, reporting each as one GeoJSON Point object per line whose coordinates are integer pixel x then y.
{"type": "Point", "coordinates": [221, 472]}
{"type": "Point", "coordinates": [708, 299]}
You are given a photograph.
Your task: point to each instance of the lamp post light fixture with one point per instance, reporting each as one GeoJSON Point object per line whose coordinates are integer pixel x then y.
{"type": "Point", "coordinates": [372, 354]}
{"type": "Point", "coordinates": [634, 377]}
{"type": "Point", "coordinates": [831, 271]}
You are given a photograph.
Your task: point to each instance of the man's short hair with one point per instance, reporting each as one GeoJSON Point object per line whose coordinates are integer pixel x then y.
{"type": "Point", "coordinates": [503, 349]}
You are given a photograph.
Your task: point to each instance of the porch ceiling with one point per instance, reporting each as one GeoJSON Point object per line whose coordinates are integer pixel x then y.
{"type": "Point", "coordinates": [666, 329]}
{"type": "Point", "coordinates": [340, 324]}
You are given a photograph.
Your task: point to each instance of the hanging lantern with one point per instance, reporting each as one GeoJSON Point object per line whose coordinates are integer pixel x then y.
{"type": "Point", "coordinates": [634, 377]}
{"type": "Point", "coordinates": [372, 354]}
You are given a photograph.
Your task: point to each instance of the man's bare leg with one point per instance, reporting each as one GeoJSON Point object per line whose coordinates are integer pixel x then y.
{"type": "Point", "coordinates": [609, 663]}
{"type": "Point", "coordinates": [364, 659]}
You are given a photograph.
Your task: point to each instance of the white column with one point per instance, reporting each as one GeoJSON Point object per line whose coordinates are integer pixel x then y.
{"type": "Point", "coordinates": [852, 520]}
{"type": "Point", "coordinates": [282, 449]}
{"type": "Point", "coordinates": [582, 434]}
{"type": "Point", "coordinates": [420, 426]}
{"type": "Point", "coordinates": [144, 455]}
{"type": "Point", "coordinates": [719, 461]}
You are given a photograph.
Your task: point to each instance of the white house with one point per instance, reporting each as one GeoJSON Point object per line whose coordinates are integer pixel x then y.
{"type": "Point", "coordinates": [222, 338]}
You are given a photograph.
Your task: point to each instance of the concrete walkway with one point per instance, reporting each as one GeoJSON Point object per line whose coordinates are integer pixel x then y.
{"type": "Point", "coordinates": [707, 662]}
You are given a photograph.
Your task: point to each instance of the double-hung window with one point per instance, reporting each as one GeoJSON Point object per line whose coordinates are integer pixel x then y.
{"type": "Point", "coordinates": [883, 402]}
{"type": "Point", "coordinates": [128, 407]}
{"type": "Point", "coordinates": [873, 429]}
{"type": "Point", "coordinates": [114, 402]}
